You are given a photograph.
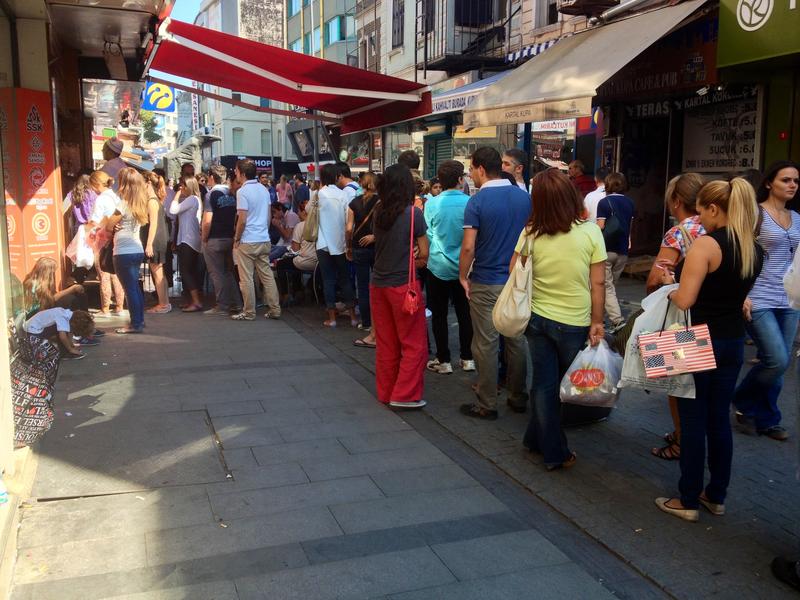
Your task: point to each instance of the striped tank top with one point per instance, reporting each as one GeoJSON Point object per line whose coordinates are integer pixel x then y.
{"type": "Point", "coordinates": [779, 246]}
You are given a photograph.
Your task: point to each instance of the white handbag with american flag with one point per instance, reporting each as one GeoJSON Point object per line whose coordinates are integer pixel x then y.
{"type": "Point", "coordinates": [677, 350]}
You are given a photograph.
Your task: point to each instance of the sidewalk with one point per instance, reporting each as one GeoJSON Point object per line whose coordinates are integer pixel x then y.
{"type": "Point", "coordinates": [210, 459]}
{"type": "Point", "coordinates": [609, 493]}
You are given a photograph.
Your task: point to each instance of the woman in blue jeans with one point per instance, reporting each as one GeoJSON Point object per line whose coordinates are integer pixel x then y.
{"type": "Point", "coordinates": [771, 322]}
{"type": "Point", "coordinates": [568, 262]}
{"type": "Point", "coordinates": [715, 278]}
{"type": "Point", "coordinates": [126, 221]}
{"type": "Point", "coordinates": [361, 250]}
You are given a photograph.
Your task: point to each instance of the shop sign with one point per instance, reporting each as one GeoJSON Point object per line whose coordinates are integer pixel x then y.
{"type": "Point", "coordinates": [460, 102]}
{"type": "Point", "coordinates": [530, 113]}
{"type": "Point", "coordinates": [751, 30]}
{"type": "Point", "coordinates": [721, 137]}
{"type": "Point", "coordinates": [553, 125]}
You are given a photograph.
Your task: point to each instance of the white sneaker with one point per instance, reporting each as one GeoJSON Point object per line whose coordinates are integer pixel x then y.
{"type": "Point", "coordinates": [443, 368]}
{"type": "Point", "coordinates": [467, 365]}
{"type": "Point", "coordinates": [408, 405]}
{"type": "Point", "coordinates": [428, 313]}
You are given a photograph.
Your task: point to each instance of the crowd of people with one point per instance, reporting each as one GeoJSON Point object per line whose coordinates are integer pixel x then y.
{"type": "Point", "coordinates": [390, 247]}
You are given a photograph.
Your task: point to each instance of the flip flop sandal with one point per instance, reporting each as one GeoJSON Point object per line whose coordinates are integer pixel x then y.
{"type": "Point", "coordinates": [127, 331]}
{"type": "Point", "coordinates": [669, 452]}
{"type": "Point", "coordinates": [671, 438]}
{"type": "Point", "coordinates": [360, 343]}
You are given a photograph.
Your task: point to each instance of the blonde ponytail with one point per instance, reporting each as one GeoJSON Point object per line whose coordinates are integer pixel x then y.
{"type": "Point", "coordinates": [738, 200]}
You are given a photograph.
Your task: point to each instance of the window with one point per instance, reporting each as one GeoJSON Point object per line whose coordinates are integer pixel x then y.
{"type": "Point", "coordinates": [296, 46]}
{"type": "Point", "coordinates": [307, 42]}
{"type": "Point", "coordinates": [333, 31]}
{"type": "Point", "coordinates": [263, 102]}
{"type": "Point", "coordinates": [349, 27]}
{"type": "Point", "coordinates": [317, 40]}
{"type": "Point", "coordinates": [279, 145]}
{"type": "Point", "coordinates": [294, 7]}
{"type": "Point", "coordinates": [546, 13]}
{"type": "Point", "coordinates": [398, 18]}
{"type": "Point", "coordinates": [266, 142]}
{"type": "Point", "coordinates": [429, 9]}
{"type": "Point", "coordinates": [237, 140]}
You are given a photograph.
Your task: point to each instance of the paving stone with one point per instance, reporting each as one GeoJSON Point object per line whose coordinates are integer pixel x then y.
{"type": "Point", "coordinates": [356, 578]}
{"type": "Point", "coordinates": [494, 555]}
{"type": "Point", "coordinates": [552, 582]}
{"type": "Point", "coordinates": [375, 442]}
{"type": "Point", "coordinates": [316, 431]}
{"type": "Point", "coordinates": [220, 590]}
{"type": "Point", "coordinates": [308, 450]}
{"type": "Point", "coordinates": [372, 462]}
{"type": "Point", "coordinates": [239, 458]}
{"type": "Point", "coordinates": [202, 541]}
{"type": "Point", "coordinates": [245, 430]}
{"type": "Point", "coordinates": [425, 479]}
{"type": "Point", "coordinates": [80, 558]}
{"type": "Point", "coordinates": [257, 477]}
{"type": "Point", "coordinates": [232, 409]}
{"type": "Point", "coordinates": [238, 505]}
{"type": "Point", "coordinates": [399, 511]}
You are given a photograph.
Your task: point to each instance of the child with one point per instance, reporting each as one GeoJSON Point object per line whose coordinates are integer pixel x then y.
{"type": "Point", "coordinates": [61, 323]}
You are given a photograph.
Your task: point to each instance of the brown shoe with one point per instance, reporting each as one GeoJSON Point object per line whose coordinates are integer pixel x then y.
{"type": "Point", "coordinates": [570, 462]}
{"type": "Point", "coordinates": [475, 411]}
{"type": "Point", "coordinates": [776, 433]}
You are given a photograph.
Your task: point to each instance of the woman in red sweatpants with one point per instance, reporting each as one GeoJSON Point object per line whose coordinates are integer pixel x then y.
{"type": "Point", "coordinates": [401, 337]}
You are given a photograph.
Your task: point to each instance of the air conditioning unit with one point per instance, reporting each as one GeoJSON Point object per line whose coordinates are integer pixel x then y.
{"type": "Point", "coordinates": [589, 8]}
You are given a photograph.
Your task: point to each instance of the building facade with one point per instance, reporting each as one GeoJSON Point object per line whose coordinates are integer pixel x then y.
{"type": "Point", "coordinates": [322, 28]}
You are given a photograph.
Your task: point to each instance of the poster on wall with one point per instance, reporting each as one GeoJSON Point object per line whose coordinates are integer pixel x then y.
{"type": "Point", "coordinates": [723, 137]}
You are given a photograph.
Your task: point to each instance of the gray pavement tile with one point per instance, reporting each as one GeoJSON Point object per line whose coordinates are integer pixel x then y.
{"type": "Point", "coordinates": [49, 523]}
{"type": "Point", "coordinates": [163, 578]}
{"type": "Point", "coordinates": [330, 414]}
{"type": "Point", "coordinates": [375, 442]}
{"type": "Point", "coordinates": [238, 505]}
{"type": "Point", "coordinates": [79, 558]}
{"type": "Point", "coordinates": [494, 555]}
{"type": "Point", "coordinates": [553, 582]}
{"type": "Point", "coordinates": [239, 458]}
{"type": "Point", "coordinates": [372, 462]}
{"type": "Point", "coordinates": [219, 590]}
{"type": "Point", "coordinates": [315, 431]}
{"type": "Point", "coordinates": [425, 508]}
{"type": "Point", "coordinates": [356, 578]}
{"type": "Point", "coordinates": [424, 479]}
{"type": "Point", "coordinates": [297, 451]}
{"type": "Point", "coordinates": [410, 536]}
{"type": "Point", "coordinates": [203, 541]}
{"type": "Point", "coordinates": [255, 477]}
{"type": "Point", "coordinates": [246, 430]}
{"type": "Point", "coordinates": [232, 409]}
{"type": "Point", "coordinates": [94, 454]}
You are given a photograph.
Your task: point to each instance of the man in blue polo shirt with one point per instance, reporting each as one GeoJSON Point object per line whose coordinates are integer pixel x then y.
{"type": "Point", "coordinates": [493, 220]}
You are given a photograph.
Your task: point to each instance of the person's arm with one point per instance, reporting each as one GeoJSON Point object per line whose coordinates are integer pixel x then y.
{"type": "Point", "coordinates": [241, 220]}
{"type": "Point", "coordinates": [348, 233]}
{"type": "Point", "coordinates": [466, 257]}
{"type": "Point", "coordinates": [181, 206]}
{"type": "Point", "coordinates": [665, 261]}
{"type": "Point", "coordinates": [286, 232]}
{"type": "Point", "coordinates": [597, 279]}
{"type": "Point", "coordinates": [206, 226]}
{"type": "Point", "coordinates": [152, 215]}
{"type": "Point", "coordinates": [112, 221]}
{"type": "Point", "coordinates": [75, 288]}
{"type": "Point", "coordinates": [65, 337]}
{"type": "Point", "coordinates": [695, 268]}
{"type": "Point", "coordinates": [603, 212]}
{"type": "Point", "coordinates": [423, 248]}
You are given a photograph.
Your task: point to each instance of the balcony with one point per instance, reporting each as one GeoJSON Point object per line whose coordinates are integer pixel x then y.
{"type": "Point", "coordinates": [459, 35]}
{"type": "Point", "coordinates": [589, 8]}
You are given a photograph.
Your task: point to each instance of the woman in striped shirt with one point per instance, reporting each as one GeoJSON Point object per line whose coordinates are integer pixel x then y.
{"type": "Point", "coordinates": [771, 322]}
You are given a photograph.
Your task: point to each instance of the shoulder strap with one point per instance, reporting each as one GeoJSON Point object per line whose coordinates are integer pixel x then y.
{"type": "Point", "coordinates": [352, 185]}
{"type": "Point", "coordinates": [366, 219]}
{"type": "Point", "coordinates": [688, 239]}
{"type": "Point", "coordinates": [412, 272]}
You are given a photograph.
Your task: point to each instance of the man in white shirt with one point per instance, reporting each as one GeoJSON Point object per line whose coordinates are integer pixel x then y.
{"type": "Point", "coordinates": [592, 199]}
{"type": "Point", "coordinates": [514, 162]}
{"type": "Point", "coordinates": [344, 182]}
{"type": "Point", "coordinates": [251, 244]}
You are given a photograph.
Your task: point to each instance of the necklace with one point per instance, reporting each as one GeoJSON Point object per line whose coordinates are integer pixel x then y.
{"type": "Point", "coordinates": [781, 216]}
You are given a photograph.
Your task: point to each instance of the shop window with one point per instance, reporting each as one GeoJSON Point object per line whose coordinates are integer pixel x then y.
{"type": "Point", "coordinates": [263, 102]}
{"type": "Point", "coordinates": [237, 140]}
{"type": "Point", "coordinates": [398, 18]}
{"type": "Point", "coordinates": [266, 142]}
{"type": "Point", "coordinates": [236, 96]}
{"type": "Point", "coordinates": [294, 7]}
{"type": "Point", "coordinates": [296, 46]}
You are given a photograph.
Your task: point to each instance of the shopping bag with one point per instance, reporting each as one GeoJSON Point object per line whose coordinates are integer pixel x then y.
{"type": "Point", "coordinates": [677, 350]}
{"type": "Point", "coordinates": [651, 319]}
{"type": "Point", "coordinates": [512, 310]}
{"type": "Point", "coordinates": [411, 300]}
{"type": "Point", "coordinates": [145, 274]}
{"type": "Point", "coordinates": [791, 282]}
{"type": "Point", "coordinates": [593, 377]}
{"type": "Point", "coordinates": [311, 228]}
{"type": "Point", "coordinates": [78, 251]}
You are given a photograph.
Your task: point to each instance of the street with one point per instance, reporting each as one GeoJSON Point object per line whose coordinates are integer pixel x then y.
{"type": "Point", "coordinates": [220, 460]}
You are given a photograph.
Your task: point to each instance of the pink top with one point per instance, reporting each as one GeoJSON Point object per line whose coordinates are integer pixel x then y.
{"type": "Point", "coordinates": [674, 237]}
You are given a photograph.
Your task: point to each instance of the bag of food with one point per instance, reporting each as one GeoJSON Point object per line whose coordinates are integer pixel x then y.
{"type": "Point", "coordinates": [593, 377]}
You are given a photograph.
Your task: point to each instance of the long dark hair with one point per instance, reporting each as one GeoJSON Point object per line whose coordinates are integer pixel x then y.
{"type": "Point", "coordinates": [396, 191]}
{"type": "Point", "coordinates": [762, 193]}
{"type": "Point", "coordinates": [82, 186]}
{"type": "Point", "coordinates": [556, 204]}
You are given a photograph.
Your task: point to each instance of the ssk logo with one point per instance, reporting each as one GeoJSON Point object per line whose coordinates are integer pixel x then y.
{"type": "Point", "coordinates": [33, 123]}
{"type": "Point", "coordinates": [753, 14]}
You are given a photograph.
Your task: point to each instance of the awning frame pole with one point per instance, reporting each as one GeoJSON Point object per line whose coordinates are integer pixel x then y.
{"type": "Point", "coordinates": [274, 78]}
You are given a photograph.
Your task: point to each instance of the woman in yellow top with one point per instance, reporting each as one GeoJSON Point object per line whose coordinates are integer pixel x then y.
{"type": "Point", "coordinates": [568, 266]}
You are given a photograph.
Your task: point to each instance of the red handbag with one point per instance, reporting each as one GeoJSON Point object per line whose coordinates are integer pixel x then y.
{"type": "Point", "coordinates": [411, 300]}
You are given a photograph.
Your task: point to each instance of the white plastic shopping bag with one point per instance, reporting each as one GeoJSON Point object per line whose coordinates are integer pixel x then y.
{"type": "Point", "coordinates": [593, 377]}
{"type": "Point", "coordinates": [652, 319]}
{"type": "Point", "coordinates": [79, 251]}
{"type": "Point", "coordinates": [791, 282]}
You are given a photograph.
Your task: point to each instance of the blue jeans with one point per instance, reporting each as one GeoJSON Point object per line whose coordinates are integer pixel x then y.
{"type": "Point", "coordinates": [707, 417]}
{"type": "Point", "coordinates": [363, 259]}
{"type": "Point", "coordinates": [553, 347]}
{"type": "Point", "coordinates": [334, 272]}
{"type": "Point", "coordinates": [773, 331]}
{"type": "Point", "coordinates": [126, 267]}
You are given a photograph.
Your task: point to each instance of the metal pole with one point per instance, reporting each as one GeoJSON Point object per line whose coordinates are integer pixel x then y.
{"type": "Point", "coordinates": [316, 149]}
{"type": "Point", "coordinates": [272, 143]}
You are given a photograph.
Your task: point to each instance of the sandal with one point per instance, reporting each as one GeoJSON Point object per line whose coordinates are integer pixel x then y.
{"type": "Point", "coordinates": [128, 330]}
{"type": "Point", "coordinates": [477, 412]}
{"type": "Point", "coordinates": [672, 438]}
{"type": "Point", "coordinates": [329, 324]}
{"type": "Point", "coordinates": [361, 343]}
{"type": "Point", "coordinates": [192, 308]}
{"type": "Point", "coordinates": [668, 452]}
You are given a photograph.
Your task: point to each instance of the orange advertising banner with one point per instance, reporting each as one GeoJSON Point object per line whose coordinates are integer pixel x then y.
{"type": "Point", "coordinates": [33, 189]}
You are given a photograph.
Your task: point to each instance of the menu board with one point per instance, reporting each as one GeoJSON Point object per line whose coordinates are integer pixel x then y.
{"type": "Point", "coordinates": [723, 137]}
